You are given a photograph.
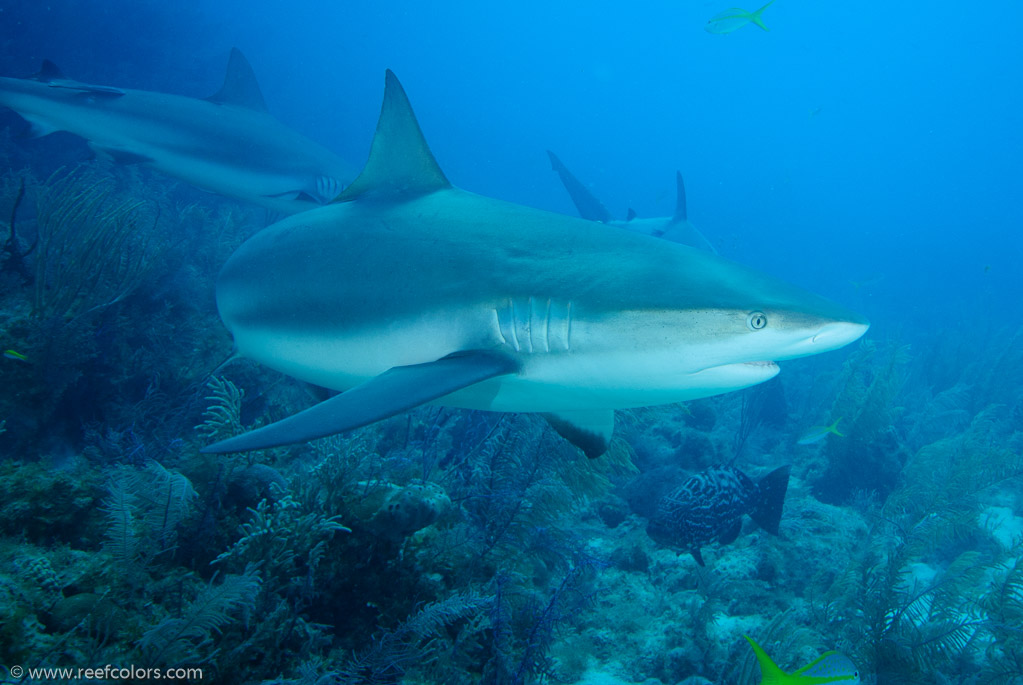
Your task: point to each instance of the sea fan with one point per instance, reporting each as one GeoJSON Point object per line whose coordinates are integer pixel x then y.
{"type": "Point", "coordinates": [92, 253]}
{"type": "Point", "coordinates": [1003, 663]}
{"type": "Point", "coordinates": [122, 534]}
{"type": "Point", "coordinates": [186, 639]}
{"type": "Point", "coordinates": [143, 511]}
{"type": "Point", "coordinates": [413, 642]}
{"type": "Point", "coordinates": [165, 498]}
{"type": "Point", "coordinates": [222, 417]}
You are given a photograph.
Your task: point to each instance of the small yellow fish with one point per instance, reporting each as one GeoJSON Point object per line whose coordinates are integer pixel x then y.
{"type": "Point", "coordinates": [735, 18]}
{"type": "Point", "coordinates": [14, 354]}
{"type": "Point", "coordinates": [829, 667]}
{"type": "Point", "coordinates": [818, 433]}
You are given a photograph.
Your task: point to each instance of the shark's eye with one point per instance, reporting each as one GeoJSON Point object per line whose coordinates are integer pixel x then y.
{"type": "Point", "coordinates": [756, 321]}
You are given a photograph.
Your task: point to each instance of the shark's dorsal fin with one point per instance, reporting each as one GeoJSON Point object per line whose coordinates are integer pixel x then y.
{"type": "Point", "coordinates": [631, 214]}
{"type": "Point", "coordinates": [240, 86]}
{"type": "Point", "coordinates": [680, 198]}
{"type": "Point", "coordinates": [588, 206]}
{"type": "Point", "coordinates": [400, 161]}
{"type": "Point", "coordinates": [48, 72]}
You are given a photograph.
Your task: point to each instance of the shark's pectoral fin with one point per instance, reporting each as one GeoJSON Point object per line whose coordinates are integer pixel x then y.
{"type": "Point", "coordinates": [88, 90]}
{"type": "Point", "coordinates": [295, 195]}
{"type": "Point", "coordinates": [37, 128]}
{"type": "Point", "coordinates": [321, 191]}
{"type": "Point", "coordinates": [631, 214]}
{"type": "Point", "coordinates": [392, 392]}
{"type": "Point", "coordinates": [120, 156]}
{"type": "Point", "coordinates": [590, 431]}
{"type": "Point", "coordinates": [400, 162]}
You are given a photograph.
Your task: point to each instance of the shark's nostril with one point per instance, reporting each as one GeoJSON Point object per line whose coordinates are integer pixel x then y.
{"type": "Point", "coordinates": [838, 334]}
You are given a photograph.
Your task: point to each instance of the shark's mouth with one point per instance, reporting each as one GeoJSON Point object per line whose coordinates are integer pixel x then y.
{"type": "Point", "coordinates": [754, 368]}
{"type": "Point", "coordinates": [762, 370]}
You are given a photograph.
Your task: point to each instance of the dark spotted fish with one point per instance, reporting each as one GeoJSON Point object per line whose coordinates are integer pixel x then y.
{"type": "Point", "coordinates": [710, 506]}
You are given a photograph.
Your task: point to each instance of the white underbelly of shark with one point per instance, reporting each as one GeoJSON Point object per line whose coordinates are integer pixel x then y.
{"type": "Point", "coordinates": [565, 378]}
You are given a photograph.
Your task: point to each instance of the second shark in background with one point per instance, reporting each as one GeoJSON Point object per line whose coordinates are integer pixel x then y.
{"type": "Point", "coordinates": [675, 228]}
{"type": "Point", "coordinates": [227, 143]}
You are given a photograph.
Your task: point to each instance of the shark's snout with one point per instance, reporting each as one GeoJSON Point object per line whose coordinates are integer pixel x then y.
{"type": "Point", "coordinates": [823, 335]}
{"type": "Point", "coordinates": [831, 336]}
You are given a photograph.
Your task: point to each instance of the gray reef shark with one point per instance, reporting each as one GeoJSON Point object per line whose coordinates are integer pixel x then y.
{"type": "Point", "coordinates": [227, 143]}
{"type": "Point", "coordinates": [675, 228]}
{"type": "Point", "coordinates": [408, 290]}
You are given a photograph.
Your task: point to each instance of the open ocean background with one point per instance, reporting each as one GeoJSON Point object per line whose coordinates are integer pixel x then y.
{"type": "Point", "coordinates": [849, 143]}
{"type": "Point", "coordinates": [871, 153]}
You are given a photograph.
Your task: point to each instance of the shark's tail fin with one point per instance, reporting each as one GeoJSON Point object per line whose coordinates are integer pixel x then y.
{"type": "Point", "coordinates": [770, 499]}
{"type": "Point", "coordinates": [755, 16]}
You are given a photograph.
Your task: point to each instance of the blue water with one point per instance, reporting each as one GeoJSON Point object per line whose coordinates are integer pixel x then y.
{"type": "Point", "coordinates": [872, 153]}
{"type": "Point", "coordinates": [908, 169]}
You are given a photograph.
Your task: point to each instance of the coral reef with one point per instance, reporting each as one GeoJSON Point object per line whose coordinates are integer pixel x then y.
{"type": "Point", "coordinates": [457, 546]}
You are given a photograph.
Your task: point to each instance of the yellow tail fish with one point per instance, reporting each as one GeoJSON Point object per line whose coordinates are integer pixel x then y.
{"type": "Point", "coordinates": [735, 18]}
{"type": "Point", "coordinates": [818, 433]}
{"type": "Point", "coordinates": [829, 667]}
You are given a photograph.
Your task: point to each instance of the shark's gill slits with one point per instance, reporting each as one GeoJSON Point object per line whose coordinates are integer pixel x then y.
{"type": "Point", "coordinates": [327, 188]}
{"type": "Point", "coordinates": [509, 330]}
{"type": "Point", "coordinates": [533, 325]}
{"type": "Point", "coordinates": [524, 322]}
{"type": "Point", "coordinates": [547, 327]}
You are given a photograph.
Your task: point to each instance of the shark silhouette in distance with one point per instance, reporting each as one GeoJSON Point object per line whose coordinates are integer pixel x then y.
{"type": "Point", "coordinates": [227, 143]}
{"type": "Point", "coordinates": [409, 291]}
{"type": "Point", "coordinates": [675, 228]}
